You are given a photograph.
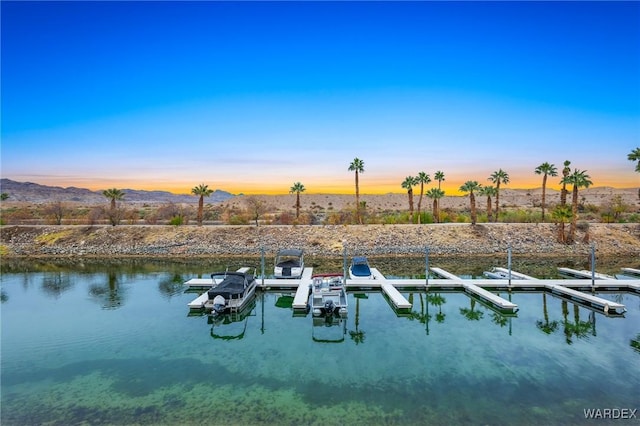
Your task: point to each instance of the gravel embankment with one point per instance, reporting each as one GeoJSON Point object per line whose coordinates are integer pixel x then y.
{"type": "Point", "coordinates": [441, 239]}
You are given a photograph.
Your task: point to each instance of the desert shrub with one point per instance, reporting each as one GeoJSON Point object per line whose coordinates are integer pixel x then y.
{"type": "Point", "coordinates": [426, 217]}
{"type": "Point", "coordinates": [95, 215]}
{"type": "Point", "coordinates": [342, 217]}
{"type": "Point", "coordinates": [520, 216]}
{"type": "Point", "coordinates": [284, 218]}
{"type": "Point", "coordinates": [176, 220]}
{"type": "Point", "coordinates": [634, 218]}
{"type": "Point", "coordinates": [606, 217]}
{"type": "Point", "coordinates": [238, 219]}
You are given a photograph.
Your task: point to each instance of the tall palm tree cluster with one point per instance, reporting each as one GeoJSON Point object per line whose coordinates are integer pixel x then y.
{"type": "Point", "coordinates": [473, 187]}
{"type": "Point", "coordinates": [435, 194]}
{"type": "Point", "coordinates": [561, 214]}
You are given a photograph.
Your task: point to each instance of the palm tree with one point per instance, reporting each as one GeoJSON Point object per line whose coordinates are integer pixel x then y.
{"type": "Point", "coordinates": [408, 184]}
{"type": "Point", "coordinates": [635, 156]}
{"type": "Point", "coordinates": [470, 186]}
{"type": "Point", "coordinates": [439, 176]}
{"type": "Point", "coordinates": [435, 194]}
{"type": "Point", "coordinates": [114, 194]}
{"type": "Point", "coordinates": [579, 179]}
{"type": "Point", "coordinates": [488, 191]}
{"type": "Point", "coordinates": [565, 172]}
{"type": "Point", "coordinates": [498, 178]}
{"type": "Point", "coordinates": [561, 215]}
{"type": "Point", "coordinates": [202, 191]}
{"type": "Point", "coordinates": [545, 169]}
{"type": "Point", "coordinates": [422, 179]}
{"type": "Point", "coordinates": [357, 166]}
{"type": "Point", "coordinates": [297, 188]}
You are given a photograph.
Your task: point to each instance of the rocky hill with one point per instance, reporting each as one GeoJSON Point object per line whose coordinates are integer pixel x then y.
{"type": "Point", "coordinates": [36, 193]}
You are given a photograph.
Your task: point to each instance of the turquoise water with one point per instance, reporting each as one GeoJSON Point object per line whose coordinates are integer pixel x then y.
{"type": "Point", "coordinates": [116, 345]}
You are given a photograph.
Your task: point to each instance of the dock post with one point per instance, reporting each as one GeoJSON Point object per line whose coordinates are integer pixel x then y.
{"type": "Point", "coordinates": [344, 261]}
{"type": "Point", "coordinates": [509, 263]}
{"type": "Point", "coordinates": [593, 267]}
{"type": "Point", "coordinates": [426, 266]}
{"type": "Point", "coordinates": [262, 264]}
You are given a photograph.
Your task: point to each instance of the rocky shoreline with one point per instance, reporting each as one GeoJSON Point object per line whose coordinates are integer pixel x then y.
{"type": "Point", "coordinates": [441, 239]}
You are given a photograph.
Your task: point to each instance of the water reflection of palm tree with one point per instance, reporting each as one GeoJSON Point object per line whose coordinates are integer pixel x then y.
{"type": "Point", "coordinates": [437, 300]}
{"type": "Point", "coordinates": [546, 326]}
{"type": "Point", "coordinates": [56, 284]}
{"type": "Point", "coordinates": [171, 286]}
{"type": "Point", "coordinates": [358, 335]}
{"type": "Point", "coordinates": [635, 343]}
{"type": "Point", "coordinates": [499, 319]}
{"type": "Point", "coordinates": [580, 328]}
{"type": "Point", "coordinates": [566, 324]}
{"type": "Point", "coordinates": [471, 314]}
{"type": "Point", "coordinates": [110, 295]}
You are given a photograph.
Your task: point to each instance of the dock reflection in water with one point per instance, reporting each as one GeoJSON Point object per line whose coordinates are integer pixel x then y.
{"type": "Point", "coordinates": [450, 359]}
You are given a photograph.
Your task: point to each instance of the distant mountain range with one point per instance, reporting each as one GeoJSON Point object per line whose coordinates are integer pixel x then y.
{"type": "Point", "coordinates": [36, 193]}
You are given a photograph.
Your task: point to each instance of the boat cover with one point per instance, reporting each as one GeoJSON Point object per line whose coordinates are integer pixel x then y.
{"type": "Point", "coordinates": [233, 286]}
{"type": "Point", "coordinates": [360, 267]}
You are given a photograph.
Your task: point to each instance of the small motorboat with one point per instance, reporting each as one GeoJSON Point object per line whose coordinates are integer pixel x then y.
{"type": "Point", "coordinates": [289, 263]}
{"type": "Point", "coordinates": [232, 294]}
{"type": "Point", "coordinates": [498, 275]}
{"type": "Point", "coordinates": [328, 295]}
{"type": "Point", "coordinates": [359, 269]}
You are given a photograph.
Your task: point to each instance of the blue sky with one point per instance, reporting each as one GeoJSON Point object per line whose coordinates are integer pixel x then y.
{"type": "Point", "coordinates": [254, 96]}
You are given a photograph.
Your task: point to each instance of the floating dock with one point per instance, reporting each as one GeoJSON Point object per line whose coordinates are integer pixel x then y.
{"type": "Point", "coordinates": [575, 290]}
{"type": "Point", "coordinates": [301, 299]}
{"type": "Point", "coordinates": [584, 274]}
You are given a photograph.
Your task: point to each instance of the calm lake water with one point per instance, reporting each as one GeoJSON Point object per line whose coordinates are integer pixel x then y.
{"type": "Point", "coordinates": [113, 343]}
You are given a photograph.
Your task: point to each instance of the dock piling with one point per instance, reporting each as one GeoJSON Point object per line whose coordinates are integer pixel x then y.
{"type": "Point", "coordinates": [426, 266]}
{"type": "Point", "coordinates": [262, 263]}
{"type": "Point", "coordinates": [509, 263]}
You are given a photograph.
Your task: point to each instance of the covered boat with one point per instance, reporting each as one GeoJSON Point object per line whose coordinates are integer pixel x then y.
{"type": "Point", "coordinates": [289, 263]}
{"type": "Point", "coordinates": [328, 295]}
{"type": "Point", "coordinates": [232, 294]}
{"type": "Point", "coordinates": [359, 269]}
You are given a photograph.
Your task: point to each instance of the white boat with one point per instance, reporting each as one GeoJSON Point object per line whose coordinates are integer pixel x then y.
{"type": "Point", "coordinates": [328, 295]}
{"type": "Point", "coordinates": [232, 294]}
{"type": "Point", "coordinates": [500, 275]}
{"type": "Point", "coordinates": [289, 263]}
{"type": "Point", "coordinates": [359, 269]}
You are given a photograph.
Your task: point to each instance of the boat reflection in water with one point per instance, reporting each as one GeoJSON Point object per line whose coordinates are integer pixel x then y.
{"type": "Point", "coordinates": [231, 325]}
{"type": "Point", "coordinates": [329, 329]}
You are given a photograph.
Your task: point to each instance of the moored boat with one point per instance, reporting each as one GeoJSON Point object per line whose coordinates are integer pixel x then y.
{"type": "Point", "coordinates": [359, 269]}
{"type": "Point", "coordinates": [289, 263]}
{"type": "Point", "coordinates": [328, 295]}
{"type": "Point", "coordinates": [233, 293]}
